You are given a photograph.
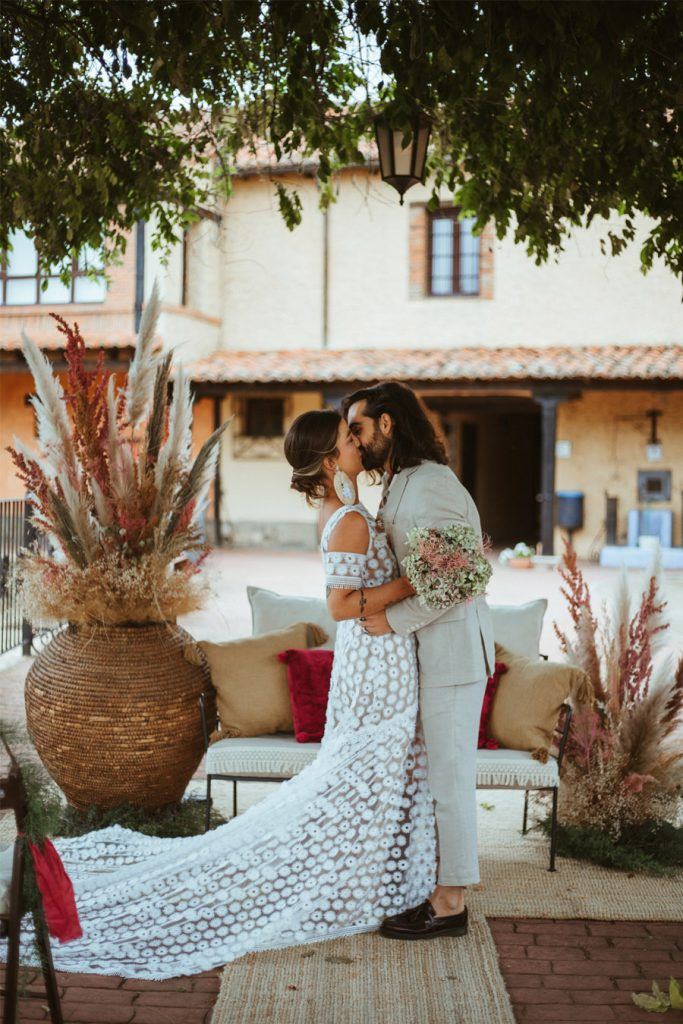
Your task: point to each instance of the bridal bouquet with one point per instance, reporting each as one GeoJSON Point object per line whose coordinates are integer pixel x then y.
{"type": "Point", "coordinates": [446, 566]}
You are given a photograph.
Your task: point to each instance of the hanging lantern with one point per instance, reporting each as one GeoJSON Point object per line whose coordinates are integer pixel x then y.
{"type": "Point", "coordinates": [403, 166]}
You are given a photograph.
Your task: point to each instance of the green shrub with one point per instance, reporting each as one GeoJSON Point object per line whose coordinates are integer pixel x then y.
{"type": "Point", "coordinates": [654, 848]}
{"type": "Point", "coordinates": [170, 822]}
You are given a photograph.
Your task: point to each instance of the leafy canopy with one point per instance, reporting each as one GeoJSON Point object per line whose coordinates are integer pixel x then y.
{"type": "Point", "coordinates": [546, 114]}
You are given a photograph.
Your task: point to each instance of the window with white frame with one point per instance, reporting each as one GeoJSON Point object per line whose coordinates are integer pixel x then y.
{"type": "Point", "coordinates": [22, 277]}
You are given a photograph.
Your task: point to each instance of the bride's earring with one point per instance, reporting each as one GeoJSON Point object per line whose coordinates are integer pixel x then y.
{"type": "Point", "coordinates": [343, 488]}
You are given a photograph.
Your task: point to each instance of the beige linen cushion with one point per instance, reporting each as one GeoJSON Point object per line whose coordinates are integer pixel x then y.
{"type": "Point", "coordinates": [252, 692]}
{"type": "Point", "coordinates": [528, 701]}
{"type": "Point", "coordinates": [270, 611]}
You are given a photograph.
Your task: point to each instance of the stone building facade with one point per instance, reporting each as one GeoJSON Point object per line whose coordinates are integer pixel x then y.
{"type": "Point", "coordinates": [541, 379]}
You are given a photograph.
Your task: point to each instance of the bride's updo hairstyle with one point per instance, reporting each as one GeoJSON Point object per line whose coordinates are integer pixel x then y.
{"type": "Point", "coordinates": [310, 440]}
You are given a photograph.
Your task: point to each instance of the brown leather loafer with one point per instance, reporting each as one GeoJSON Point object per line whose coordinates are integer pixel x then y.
{"type": "Point", "coordinates": [422, 923]}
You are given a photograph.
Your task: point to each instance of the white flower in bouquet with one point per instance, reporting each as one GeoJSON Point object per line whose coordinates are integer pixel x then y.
{"type": "Point", "coordinates": [446, 566]}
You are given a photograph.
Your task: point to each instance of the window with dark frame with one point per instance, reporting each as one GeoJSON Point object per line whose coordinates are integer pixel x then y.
{"type": "Point", "coordinates": [453, 263]}
{"type": "Point", "coordinates": [264, 417]}
{"type": "Point", "coordinates": [21, 277]}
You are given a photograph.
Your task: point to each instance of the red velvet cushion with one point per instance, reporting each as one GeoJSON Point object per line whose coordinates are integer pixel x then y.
{"type": "Point", "coordinates": [308, 675]}
{"type": "Point", "coordinates": [485, 742]}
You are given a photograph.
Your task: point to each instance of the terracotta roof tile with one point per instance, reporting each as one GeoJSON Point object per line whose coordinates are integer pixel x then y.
{"type": "Point", "coordinates": [517, 363]}
{"type": "Point", "coordinates": [262, 159]}
{"type": "Point", "coordinates": [54, 341]}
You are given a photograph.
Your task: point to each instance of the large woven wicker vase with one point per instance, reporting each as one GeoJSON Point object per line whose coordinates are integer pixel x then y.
{"type": "Point", "coordinates": [113, 712]}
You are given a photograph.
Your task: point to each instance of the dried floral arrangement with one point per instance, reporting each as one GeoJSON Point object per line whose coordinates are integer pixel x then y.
{"type": "Point", "coordinates": [623, 763]}
{"type": "Point", "coordinates": [114, 488]}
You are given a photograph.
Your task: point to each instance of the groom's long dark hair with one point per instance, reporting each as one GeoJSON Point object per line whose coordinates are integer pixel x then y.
{"type": "Point", "coordinates": [413, 436]}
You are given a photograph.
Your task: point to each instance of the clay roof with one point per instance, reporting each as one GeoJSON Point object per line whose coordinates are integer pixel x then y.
{"type": "Point", "coordinates": [264, 161]}
{"type": "Point", "coordinates": [55, 340]}
{"type": "Point", "coordinates": [515, 363]}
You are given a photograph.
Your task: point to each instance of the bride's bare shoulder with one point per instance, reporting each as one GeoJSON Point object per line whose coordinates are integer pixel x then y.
{"type": "Point", "coordinates": [351, 533]}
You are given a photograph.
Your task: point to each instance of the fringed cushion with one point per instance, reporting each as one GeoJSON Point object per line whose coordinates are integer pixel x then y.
{"type": "Point", "coordinates": [308, 675]}
{"type": "Point", "coordinates": [528, 701]}
{"type": "Point", "coordinates": [486, 741]}
{"type": "Point", "coordinates": [516, 769]}
{"type": "Point", "coordinates": [281, 757]}
{"type": "Point", "coordinates": [263, 757]}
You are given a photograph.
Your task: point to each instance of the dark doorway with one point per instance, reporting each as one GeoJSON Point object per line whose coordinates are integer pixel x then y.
{"type": "Point", "coordinates": [469, 452]}
{"type": "Point", "coordinates": [495, 449]}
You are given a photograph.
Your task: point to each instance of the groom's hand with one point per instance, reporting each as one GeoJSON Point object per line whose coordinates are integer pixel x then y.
{"type": "Point", "coordinates": [377, 624]}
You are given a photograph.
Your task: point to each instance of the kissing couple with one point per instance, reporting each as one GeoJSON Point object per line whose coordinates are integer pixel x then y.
{"type": "Point", "coordinates": [379, 831]}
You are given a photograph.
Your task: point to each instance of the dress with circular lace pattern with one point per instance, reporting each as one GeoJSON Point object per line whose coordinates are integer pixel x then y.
{"type": "Point", "coordinates": [332, 851]}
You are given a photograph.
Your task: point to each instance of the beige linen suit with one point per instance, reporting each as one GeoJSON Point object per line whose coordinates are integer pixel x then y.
{"type": "Point", "coordinates": [456, 655]}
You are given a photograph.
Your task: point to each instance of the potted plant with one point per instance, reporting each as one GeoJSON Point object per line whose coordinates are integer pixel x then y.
{"type": "Point", "coordinates": [622, 776]}
{"type": "Point", "coordinates": [111, 702]}
{"type": "Point", "coordinates": [518, 557]}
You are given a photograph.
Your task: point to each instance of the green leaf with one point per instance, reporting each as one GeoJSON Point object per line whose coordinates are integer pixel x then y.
{"type": "Point", "coordinates": [658, 1002]}
{"type": "Point", "coordinates": [675, 994]}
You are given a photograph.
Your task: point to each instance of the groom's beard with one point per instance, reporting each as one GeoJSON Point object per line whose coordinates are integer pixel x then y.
{"type": "Point", "coordinates": [374, 455]}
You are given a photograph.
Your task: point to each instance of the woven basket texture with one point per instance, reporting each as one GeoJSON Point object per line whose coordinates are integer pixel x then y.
{"type": "Point", "coordinates": [113, 712]}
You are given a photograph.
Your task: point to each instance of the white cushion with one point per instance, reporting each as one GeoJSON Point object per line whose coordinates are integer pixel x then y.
{"type": "Point", "coordinates": [517, 627]}
{"type": "Point", "coordinates": [271, 611]}
{"type": "Point", "coordinates": [277, 756]}
{"type": "Point", "coordinates": [6, 861]}
{"type": "Point", "coordinates": [515, 769]}
{"type": "Point", "coordinates": [282, 757]}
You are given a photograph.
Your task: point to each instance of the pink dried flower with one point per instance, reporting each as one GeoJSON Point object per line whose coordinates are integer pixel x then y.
{"type": "Point", "coordinates": [635, 782]}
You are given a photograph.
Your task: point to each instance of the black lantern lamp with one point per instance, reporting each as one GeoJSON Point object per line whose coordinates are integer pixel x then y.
{"type": "Point", "coordinates": [403, 166]}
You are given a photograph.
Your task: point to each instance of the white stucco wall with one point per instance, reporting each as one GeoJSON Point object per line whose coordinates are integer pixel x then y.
{"type": "Point", "coordinates": [193, 330]}
{"type": "Point", "coordinates": [273, 278]}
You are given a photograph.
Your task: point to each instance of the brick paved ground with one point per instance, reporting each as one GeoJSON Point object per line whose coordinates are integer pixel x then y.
{"type": "Point", "coordinates": [565, 971]}
{"type": "Point", "coordinates": [91, 999]}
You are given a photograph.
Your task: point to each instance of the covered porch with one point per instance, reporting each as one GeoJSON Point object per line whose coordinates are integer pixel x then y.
{"type": "Point", "coordinates": [521, 425]}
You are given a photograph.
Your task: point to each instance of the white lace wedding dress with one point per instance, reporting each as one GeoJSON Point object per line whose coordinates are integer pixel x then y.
{"type": "Point", "coordinates": [330, 852]}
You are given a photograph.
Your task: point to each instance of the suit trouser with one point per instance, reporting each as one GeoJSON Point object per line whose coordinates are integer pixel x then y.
{"type": "Point", "coordinates": [450, 724]}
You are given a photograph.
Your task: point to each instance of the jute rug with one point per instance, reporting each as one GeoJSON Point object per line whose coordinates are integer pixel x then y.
{"type": "Point", "coordinates": [365, 979]}
{"type": "Point", "coordinates": [515, 881]}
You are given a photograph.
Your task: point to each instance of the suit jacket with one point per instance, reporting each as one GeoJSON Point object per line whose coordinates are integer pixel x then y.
{"type": "Point", "coordinates": [455, 645]}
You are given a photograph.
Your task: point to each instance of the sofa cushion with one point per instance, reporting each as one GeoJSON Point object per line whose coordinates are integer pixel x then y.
{"type": "Point", "coordinates": [517, 627]}
{"type": "Point", "coordinates": [261, 757]}
{"type": "Point", "coordinates": [485, 741]}
{"type": "Point", "coordinates": [515, 769]}
{"type": "Point", "coordinates": [271, 611]}
{"type": "Point", "coordinates": [251, 684]}
{"type": "Point", "coordinates": [281, 757]}
{"type": "Point", "coordinates": [528, 700]}
{"type": "Point", "coordinates": [308, 675]}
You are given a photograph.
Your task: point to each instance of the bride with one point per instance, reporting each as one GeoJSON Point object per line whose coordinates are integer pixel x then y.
{"type": "Point", "coordinates": [333, 851]}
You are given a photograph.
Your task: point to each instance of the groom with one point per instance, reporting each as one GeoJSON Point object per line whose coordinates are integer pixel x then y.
{"type": "Point", "coordinates": [455, 647]}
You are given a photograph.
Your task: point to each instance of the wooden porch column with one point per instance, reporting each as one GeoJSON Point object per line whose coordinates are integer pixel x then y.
{"type": "Point", "coordinates": [548, 401]}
